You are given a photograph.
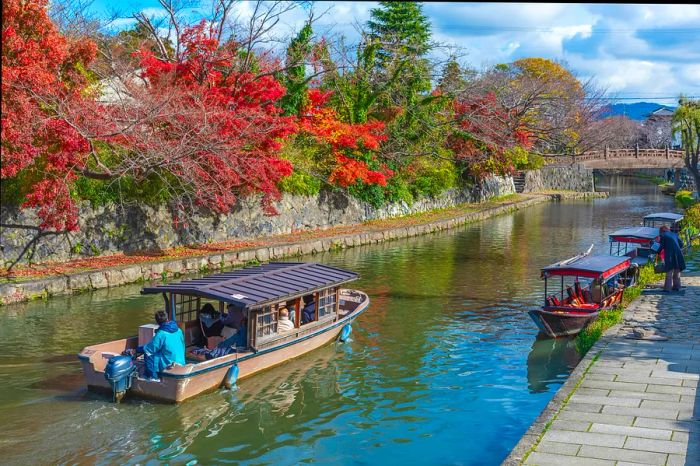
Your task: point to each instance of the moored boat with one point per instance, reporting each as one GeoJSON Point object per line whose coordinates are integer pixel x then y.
{"type": "Point", "coordinates": [576, 304]}
{"type": "Point", "coordinates": [259, 293]}
{"type": "Point", "coordinates": [674, 222]}
{"type": "Point", "coordinates": [634, 242]}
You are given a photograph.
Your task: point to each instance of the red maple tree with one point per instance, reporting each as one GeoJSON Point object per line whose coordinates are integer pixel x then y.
{"type": "Point", "coordinates": [352, 146]}
{"type": "Point", "coordinates": [484, 131]}
{"type": "Point", "coordinates": [39, 68]}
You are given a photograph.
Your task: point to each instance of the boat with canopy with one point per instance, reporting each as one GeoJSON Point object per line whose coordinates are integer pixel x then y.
{"type": "Point", "coordinates": [588, 284]}
{"type": "Point", "coordinates": [258, 293]}
{"type": "Point", "coordinates": [634, 242]}
{"type": "Point", "coordinates": [674, 222]}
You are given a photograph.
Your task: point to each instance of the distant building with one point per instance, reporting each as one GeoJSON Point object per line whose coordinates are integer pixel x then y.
{"type": "Point", "coordinates": [657, 129]}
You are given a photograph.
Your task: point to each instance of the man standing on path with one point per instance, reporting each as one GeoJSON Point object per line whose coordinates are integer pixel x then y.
{"type": "Point", "coordinates": [674, 262]}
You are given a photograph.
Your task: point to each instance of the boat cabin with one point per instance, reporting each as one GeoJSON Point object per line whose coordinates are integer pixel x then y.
{"type": "Point", "coordinates": [205, 308]}
{"type": "Point", "coordinates": [673, 221]}
{"type": "Point", "coordinates": [634, 242]}
{"type": "Point", "coordinates": [604, 278]}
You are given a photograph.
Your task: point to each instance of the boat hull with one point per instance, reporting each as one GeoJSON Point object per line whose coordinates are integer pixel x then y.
{"type": "Point", "coordinates": [184, 382]}
{"type": "Point", "coordinates": [561, 324]}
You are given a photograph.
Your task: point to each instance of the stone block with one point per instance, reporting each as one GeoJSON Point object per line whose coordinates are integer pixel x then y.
{"type": "Point", "coordinates": [618, 454]}
{"type": "Point", "coordinates": [661, 446]}
{"type": "Point", "coordinates": [98, 280]}
{"type": "Point", "coordinates": [605, 400]}
{"type": "Point", "coordinates": [558, 448]}
{"type": "Point", "coordinates": [668, 424]}
{"type": "Point", "coordinates": [565, 424]}
{"type": "Point", "coordinates": [585, 438]}
{"type": "Point", "coordinates": [132, 274]}
{"type": "Point", "coordinates": [54, 286]}
{"type": "Point", "coordinates": [652, 388]}
{"type": "Point", "coordinates": [262, 254]}
{"type": "Point", "coordinates": [617, 419]}
{"type": "Point", "coordinates": [550, 459]}
{"type": "Point", "coordinates": [648, 412]}
{"type": "Point", "coordinates": [114, 277]}
{"type": "Point", "coordinates": [641, 432]}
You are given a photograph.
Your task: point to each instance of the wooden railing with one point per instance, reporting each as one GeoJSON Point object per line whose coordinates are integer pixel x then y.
{"type": "Point", "coordinates": [608, 154]}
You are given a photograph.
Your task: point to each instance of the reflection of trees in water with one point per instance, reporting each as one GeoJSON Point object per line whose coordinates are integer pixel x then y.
{"type": "Point", "coordinates": [550, 361]}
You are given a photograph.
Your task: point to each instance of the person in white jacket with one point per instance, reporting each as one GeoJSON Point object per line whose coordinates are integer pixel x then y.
{"type": "Point", "coordinates": [284, 324]}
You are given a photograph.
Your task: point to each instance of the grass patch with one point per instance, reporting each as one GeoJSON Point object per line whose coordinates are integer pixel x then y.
{"type": "Point", "coordinates": [609, 317]}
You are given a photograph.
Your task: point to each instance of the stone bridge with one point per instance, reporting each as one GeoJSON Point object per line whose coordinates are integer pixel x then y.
{"type": "Point", "coordinates": [622, 158]}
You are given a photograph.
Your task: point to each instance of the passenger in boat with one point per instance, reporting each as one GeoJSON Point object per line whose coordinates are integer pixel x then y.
{"type": "Point", "coordinates": [283, 323]}
{"type": "Point", "coordinates": [308, 314]}
{"type": "Point", "coordinates": [229, 345]}
{"type": "Point", "coordinates": [596, 291]}
{"type": "Point", "coordinates": [166, 349]}
{"type": "Point", "coordinates": [235, 317]}
{"type": "Point", "coordinates": [674, 262]}
{"type": "Point", "coordinates": [212, 323]}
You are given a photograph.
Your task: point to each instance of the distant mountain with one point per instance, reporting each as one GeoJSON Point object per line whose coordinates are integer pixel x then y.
{"type": "Point", "coordinates": [635, 111]}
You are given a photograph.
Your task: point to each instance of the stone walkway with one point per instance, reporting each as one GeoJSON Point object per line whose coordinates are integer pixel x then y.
{"type": "Point", "coordinates": [638, 402]}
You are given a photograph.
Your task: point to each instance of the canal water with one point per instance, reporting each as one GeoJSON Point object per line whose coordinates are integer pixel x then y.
{"type": "Point", "coordinates": [444, 368]}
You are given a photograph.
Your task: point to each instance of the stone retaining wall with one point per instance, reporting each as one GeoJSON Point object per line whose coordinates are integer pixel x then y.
{"type": "Point", "coordinates": [116, 276]}
{"type": "Point", "coordinates": [569, 178]}
{"type": "Point", "coordinates": [110, 229]}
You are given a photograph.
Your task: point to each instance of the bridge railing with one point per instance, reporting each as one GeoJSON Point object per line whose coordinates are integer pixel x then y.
{"type": "Point", "coordinates": [560, 159]}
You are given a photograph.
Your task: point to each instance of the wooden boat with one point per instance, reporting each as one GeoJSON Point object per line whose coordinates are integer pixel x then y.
{"type": "Point", "coordinates": [673, 221]}
{"type": "Point", "coordinates": [634, 242]}
{"type": "Point", "coordinates": [568, 314]}
{"type": "Point", "coordinates": [259, 292]}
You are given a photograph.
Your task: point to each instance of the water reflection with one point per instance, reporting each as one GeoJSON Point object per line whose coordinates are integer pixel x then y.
{"type": "Point", "coordinates": [444, 365]}
{"type": "Point", "coordinates": [550, 362]}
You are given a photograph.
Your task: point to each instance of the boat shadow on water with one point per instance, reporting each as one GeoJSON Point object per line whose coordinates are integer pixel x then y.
{"type": "Point", "coordinates": [550, 362]}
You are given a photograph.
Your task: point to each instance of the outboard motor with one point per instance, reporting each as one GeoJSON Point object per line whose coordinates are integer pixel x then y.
{"type": "Point", "coordinates": [120, 372]}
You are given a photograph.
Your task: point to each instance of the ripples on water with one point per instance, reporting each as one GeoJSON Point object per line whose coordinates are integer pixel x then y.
{"type": "Point", "coordinates": [444, 367]}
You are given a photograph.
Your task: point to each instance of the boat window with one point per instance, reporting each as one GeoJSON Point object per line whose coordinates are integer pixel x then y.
{"type": "Point", "coordinates": [326, 304]}
{"type": "Point", "coordinates": [266, 324]}
{"type": "Point", "coordinates": [186, 307]}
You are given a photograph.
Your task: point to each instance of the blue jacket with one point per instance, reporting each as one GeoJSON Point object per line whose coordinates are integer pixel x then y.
{"type": "Point", "coordinates": [167, 346]}
{"type": "Point", "coordinates": [673, 257]}
{"type": "Point", "coordinates": [308, 314]}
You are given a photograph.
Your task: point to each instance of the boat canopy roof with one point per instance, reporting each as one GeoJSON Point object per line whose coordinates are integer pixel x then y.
{"type": "Point", "coordinates": [634, 235]}
{"type": "Point", "coordinates": [591, 266]}
{"type": "Point", "coordinates": [252, 287]}
{"type": "Point", "coordinates": [664, 216]}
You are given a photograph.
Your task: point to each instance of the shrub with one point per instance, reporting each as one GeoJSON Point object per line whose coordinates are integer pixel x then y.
{"type": "Point", "coordinates": [685, 198]}
{"type": "Point", "coordinates": [300, 183]}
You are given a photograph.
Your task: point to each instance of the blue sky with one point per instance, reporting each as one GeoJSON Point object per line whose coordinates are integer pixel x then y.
{"type": "Point", "coordinates": [637, 52]}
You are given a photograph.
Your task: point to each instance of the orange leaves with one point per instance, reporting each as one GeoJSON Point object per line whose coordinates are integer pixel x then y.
{"type": "Point", "coordinates": [351, 145]}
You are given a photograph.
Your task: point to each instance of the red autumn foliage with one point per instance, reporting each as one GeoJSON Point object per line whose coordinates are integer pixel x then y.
{"type": "Point", "coordinates": [352, 145]}
{"type": "Point", "coordinates": [39, 68]}
{"type": "Point", "coordinates": [485, 132]}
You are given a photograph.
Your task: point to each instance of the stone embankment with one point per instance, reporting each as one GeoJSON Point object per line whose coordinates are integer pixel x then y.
{"type": "Point", "coordinates": [629, 401]}
{"type": "Point", "coordinates": [272, 248]}
{"type": "Point", "coordinates": [114, 229]}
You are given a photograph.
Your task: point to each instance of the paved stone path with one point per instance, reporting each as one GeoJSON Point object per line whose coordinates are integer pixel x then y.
{"type": "Point", "coordinates": [638, 403]}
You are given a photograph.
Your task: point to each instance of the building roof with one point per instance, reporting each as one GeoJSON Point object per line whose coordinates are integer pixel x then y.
{"type": "Point", "coordinates": [662, 112]}
{"type": "Point", "coordinates": [252, 287]}
{"type": "Point", "coordinates": [630, 234]}
{"type": "Point", "coordinates": [664, 216]}
{"type": "Point", "coordinates": [591, 266]}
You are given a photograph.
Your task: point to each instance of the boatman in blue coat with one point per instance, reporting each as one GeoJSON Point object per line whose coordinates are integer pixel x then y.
{"type": "Point", "coordinates": [166, 348]}
{"type": "Point", "coordinates": [674, 262]}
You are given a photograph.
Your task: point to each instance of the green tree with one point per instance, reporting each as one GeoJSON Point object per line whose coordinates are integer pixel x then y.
{"type": "Point", "coordinates": [294, 78]}
{"type": "Point", "coordinates": [686, 122]}
{"type": "Point", "coordinates": [403, 34]}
